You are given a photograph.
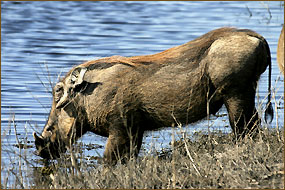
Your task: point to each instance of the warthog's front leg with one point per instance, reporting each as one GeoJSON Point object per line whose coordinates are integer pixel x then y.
{"type": "Point", "coordinates": [122, 147]}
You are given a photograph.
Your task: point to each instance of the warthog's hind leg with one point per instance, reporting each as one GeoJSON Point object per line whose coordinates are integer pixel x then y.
{"type": "Point", "coordinates": [243, 116]}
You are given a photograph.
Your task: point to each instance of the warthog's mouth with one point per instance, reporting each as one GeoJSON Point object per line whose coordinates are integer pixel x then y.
{"type": "Point", "coordinates": [48, 149]}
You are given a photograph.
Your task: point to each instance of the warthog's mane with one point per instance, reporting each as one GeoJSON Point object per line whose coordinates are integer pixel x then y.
{"type": "Point", "coordinates": [192, 52]}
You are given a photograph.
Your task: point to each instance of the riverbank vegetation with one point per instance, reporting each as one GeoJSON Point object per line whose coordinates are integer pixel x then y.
{"type": "Point", "coordinates": [199, 160]}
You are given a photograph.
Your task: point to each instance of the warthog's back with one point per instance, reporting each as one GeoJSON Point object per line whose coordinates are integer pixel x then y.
{"type": "Point", "coordinates": [178, 82]}
{"type": "Point", "coordinates": [164, 84]}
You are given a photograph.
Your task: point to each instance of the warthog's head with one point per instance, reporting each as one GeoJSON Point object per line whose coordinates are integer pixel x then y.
{"type": "Point", "coordinates": [60, 128]}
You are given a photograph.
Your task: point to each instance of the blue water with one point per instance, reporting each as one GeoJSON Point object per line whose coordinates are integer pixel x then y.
{"type": "Point", "coordinates": [42, 40]}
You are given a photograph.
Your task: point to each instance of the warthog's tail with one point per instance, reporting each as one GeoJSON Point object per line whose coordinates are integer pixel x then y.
{"type": "Point", "coordinates": [269, 108]}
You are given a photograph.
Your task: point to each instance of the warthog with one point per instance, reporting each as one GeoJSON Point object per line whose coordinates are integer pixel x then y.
{"type": "Point", "coordinates": [122, 97]}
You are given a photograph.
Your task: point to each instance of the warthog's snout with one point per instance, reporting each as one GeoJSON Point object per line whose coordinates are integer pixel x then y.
{"type": "Point", "coordinates": [46, 148]}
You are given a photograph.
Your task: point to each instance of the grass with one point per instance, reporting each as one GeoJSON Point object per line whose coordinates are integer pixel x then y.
{"type": "Point", "coordinates": [195, 161]}
{"type": "Point", "coordinates": [214, 162]}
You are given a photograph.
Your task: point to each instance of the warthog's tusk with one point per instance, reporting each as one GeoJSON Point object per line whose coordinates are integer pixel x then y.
{"type": "Point", "coordinates": [38, 139]}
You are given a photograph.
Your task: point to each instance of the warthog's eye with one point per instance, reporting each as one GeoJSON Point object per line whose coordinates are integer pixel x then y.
{"type": "Point", "coordinates": [57, 90]}
{"type": "Point", "coordinates": [49, 128]}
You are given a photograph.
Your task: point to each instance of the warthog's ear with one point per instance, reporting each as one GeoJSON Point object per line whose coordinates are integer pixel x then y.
{"type": "Point", "coordinates": [76, 77]}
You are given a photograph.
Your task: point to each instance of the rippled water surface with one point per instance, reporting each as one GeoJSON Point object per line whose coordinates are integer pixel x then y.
{"type": "Point", "coordinates": [42, 40]}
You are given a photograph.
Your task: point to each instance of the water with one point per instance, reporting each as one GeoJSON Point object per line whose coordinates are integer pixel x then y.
{"type": "Point", "coordinates": [41, 40]}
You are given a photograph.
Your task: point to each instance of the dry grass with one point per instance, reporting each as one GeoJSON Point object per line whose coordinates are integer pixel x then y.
{"type": "Point", "coordinates": [205, 161]}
